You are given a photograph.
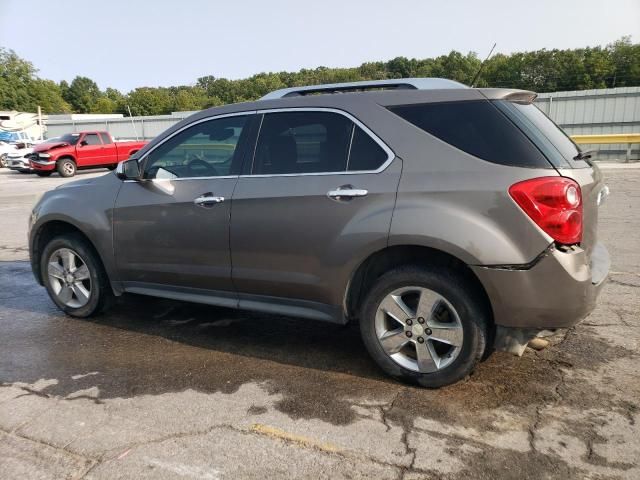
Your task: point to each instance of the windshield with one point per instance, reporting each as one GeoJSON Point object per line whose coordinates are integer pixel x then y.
{"type": "Point", "coordinates": [8, 137]}
{"type": "Point", "coordinates": [70, 138]}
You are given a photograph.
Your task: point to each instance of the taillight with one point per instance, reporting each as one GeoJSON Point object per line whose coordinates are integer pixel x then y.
{"type": "Point", "coordinates": [554, 204]}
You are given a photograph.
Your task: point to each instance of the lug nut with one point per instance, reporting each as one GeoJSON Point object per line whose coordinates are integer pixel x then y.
{"type": "Point", "coordinates": [420, 320]}
{"type": "Point", "coordinates": [409, 322]}
{"type": "Point", "coordinates": [409, 334]}
{"type": "Point", "coordinates": [420, 340]}
{"type": "Point", "coordinates": [428, 331]}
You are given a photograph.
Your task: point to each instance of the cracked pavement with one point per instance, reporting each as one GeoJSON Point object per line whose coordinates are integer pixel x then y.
{"type": "Point", "coordinates": [161, 389]}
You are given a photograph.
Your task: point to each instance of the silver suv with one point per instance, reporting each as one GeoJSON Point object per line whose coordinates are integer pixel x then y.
{"type": "Point", "coordinates": [447, 220]}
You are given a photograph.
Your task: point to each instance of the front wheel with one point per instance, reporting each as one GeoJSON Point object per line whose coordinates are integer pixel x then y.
{"type": "Point", "coordinates": [3, 160]}
{"type": "Point", "coordinates": [74, 276]}
{"type": "Point", "coordinates": [426, 326]}
{"type": "Point", "coordinates": [66, 167]}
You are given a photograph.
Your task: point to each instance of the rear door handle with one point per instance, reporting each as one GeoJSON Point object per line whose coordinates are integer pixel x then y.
{"type": "Point", "coordinates": [347, 192]}
{"type": "Point", "coordinates": [208, 200]}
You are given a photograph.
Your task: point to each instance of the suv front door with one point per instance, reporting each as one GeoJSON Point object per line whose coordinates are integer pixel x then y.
{"type": "Point", "coordinates": [172, 226]}
{"type": "Point", "coordinates": [294, 235]}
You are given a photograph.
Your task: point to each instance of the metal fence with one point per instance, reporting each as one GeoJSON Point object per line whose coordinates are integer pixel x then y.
{"type": "Point", "coordinates": [606, 111]}
{"type": "Point", "coordinates": [597, 112]}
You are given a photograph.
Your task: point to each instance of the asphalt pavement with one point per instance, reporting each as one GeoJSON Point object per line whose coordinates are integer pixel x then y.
{"type": "Point", "coordinates": [162, 389]}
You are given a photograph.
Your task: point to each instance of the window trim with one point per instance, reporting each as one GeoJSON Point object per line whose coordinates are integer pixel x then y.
{"type": "Point", "coordinates": [390, 154]}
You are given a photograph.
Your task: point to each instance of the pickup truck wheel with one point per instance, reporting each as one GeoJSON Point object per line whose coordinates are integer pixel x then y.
{"type": "Point", "coordinates": [74, 277]}
{"type": "Point", "coordinates": [426, 326]}
{"type": "Point", "coordinates": [66, 167]}
{"type": "Point", "coordinates": [43, 174]}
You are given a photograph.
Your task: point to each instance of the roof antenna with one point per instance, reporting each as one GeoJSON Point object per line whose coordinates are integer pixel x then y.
{"type": "Point", "coordinates": [473, 82]}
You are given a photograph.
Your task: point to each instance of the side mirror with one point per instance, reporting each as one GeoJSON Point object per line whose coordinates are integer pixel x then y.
{"type": "Point", "coordinates": [128, 170]}
{"type": "Point", "coordinates": [83, 143]}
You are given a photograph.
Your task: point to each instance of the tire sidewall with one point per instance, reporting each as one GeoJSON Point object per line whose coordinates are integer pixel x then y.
{"type": "Point", "coordinates": [457, 292]}
{"type": "Point", "coordinates": [90, 261]}
{"type": "Point", "coordinates": [61, 164]}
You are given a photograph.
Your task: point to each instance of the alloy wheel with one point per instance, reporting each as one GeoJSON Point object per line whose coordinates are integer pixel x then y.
{"type": "Point", "coordinates": [69, 278]}
{"type": "Point", "coordinates": [419, 329]}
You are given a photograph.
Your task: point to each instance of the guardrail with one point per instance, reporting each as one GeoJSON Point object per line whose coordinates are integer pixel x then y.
{"type": "Point", "coordinates": [618, 138]}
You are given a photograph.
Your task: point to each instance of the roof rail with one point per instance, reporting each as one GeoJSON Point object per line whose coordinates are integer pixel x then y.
{"type": "Point", "coordinates": [399, 84]}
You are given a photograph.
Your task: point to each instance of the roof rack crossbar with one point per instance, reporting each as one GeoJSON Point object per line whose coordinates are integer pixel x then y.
{"type": "Point", "coordinates": [399, 84]}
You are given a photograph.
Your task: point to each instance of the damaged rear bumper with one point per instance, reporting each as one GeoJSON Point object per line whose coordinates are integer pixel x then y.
{"type": "Point", "coordinates": [557, 290]}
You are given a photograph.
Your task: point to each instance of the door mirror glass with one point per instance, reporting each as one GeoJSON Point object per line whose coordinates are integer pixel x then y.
{"type": "Point", "coordinates": [128, 170]}
{"type": "Point", "coordinates": [83, 143]}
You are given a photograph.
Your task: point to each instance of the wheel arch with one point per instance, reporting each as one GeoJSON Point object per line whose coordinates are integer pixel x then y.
{"type": "Point", "coordinates": [52, 229]}
{"type": "Point", "coordinates": [67, 156]}
{"type": "Point", "coordinates": [381, 261]}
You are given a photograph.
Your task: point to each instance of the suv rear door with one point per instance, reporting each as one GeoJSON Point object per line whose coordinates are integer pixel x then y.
{"type": "Point", "coordinates": [171, 228]}
{"type": "Point", "coordinates": [315, 200]}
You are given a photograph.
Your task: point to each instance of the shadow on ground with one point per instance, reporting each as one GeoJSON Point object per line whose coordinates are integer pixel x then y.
{"type": "Point", "coordinates": [153, 346]}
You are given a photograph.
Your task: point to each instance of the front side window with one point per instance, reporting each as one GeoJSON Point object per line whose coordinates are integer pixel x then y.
{"type": "Point", "coordinates": [206, 149]}
{"type": "Point", "coordinates": [92, 139]}
{"type": "Point", "coordinates": [302, 142]}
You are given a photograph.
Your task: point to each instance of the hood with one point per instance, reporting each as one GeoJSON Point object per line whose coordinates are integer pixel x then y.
{"type": "Point", "coordinates": [45, 147]}
{"type": "Point", "coordinates": [107, 179]}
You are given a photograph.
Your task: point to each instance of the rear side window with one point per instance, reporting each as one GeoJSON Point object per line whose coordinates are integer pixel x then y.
{"type": "Point", "coordinates": [365, 153]}
{"type": "Point", "coordinates": [547, 136]}
{"type": "Point", "coordinates": [477, 128]}
{"type": "Point", "coordinates": [302, 142]}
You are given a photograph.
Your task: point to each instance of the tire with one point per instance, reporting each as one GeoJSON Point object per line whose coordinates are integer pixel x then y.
{"type": "Point", "coordinates": [66, 167]}
{"type": "Point", "coordinates": [3, 160]}
{"type": "Point", "coordinates": [111, 167]}
{"type": "Point", "coordinates": [97, 295]}
{"type": "Point", "coordinates": [458, 314]}
{"type": "Point", "coordinates": [41, 173]}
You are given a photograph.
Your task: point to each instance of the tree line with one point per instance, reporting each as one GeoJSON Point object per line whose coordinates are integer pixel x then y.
{"type": "Point", "coordinates": [615, 65]}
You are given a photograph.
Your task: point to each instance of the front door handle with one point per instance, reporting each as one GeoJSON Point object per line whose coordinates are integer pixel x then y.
{"type": "Point", "coordinates": [346, 192]}
{"type": "Point", "coordinates": [208, 200]}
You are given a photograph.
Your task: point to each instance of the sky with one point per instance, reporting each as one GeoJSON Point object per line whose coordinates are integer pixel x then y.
{"type": "Point", "coordinates": [127, 44]}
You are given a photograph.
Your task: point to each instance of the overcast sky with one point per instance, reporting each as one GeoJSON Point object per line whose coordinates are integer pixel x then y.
{"type": "Point", "coordinates": [127, 43]}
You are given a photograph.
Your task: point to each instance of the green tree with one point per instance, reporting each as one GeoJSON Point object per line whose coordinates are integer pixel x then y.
{"type": "Point", "coordinates": [81, 94]}
{"type": "Point", "coordinates": [20, 89]}
{"type": "Point", "coordinates": [149, 101]}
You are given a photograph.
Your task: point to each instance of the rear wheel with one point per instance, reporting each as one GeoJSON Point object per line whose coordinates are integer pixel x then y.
{"type": "Point", "coordinates": [3, 160]}
{"type": "Point", "coordinates": [426, 326]}
{"type": "Point", "coordinates": [66, 167]}
{"type": "Point", "coordinates": [41, 173]}
{"type": "Point", "coordinates": [74, 276]}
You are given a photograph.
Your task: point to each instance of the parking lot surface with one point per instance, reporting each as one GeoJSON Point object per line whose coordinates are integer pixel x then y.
{"type": "Point", "coordinates": [161, 389]}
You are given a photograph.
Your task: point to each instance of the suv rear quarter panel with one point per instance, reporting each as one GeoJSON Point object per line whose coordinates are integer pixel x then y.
{"type": "Point", "coordinates": [457, 203]}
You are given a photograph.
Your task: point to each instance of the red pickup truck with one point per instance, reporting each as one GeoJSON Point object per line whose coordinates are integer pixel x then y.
{"type": "Point", "coordinates": [80, 150]}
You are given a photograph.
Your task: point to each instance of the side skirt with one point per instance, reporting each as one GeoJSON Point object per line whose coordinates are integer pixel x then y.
{"type": "Point", "coordinates": [258, 303]}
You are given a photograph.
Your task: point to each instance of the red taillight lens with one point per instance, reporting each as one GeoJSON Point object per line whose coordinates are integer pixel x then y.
{"type": "Point", "coordinates": [554, 204]}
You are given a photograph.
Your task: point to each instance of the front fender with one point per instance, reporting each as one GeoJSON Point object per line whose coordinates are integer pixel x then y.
{"type": "Point", "coordinates": [86, 205]}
